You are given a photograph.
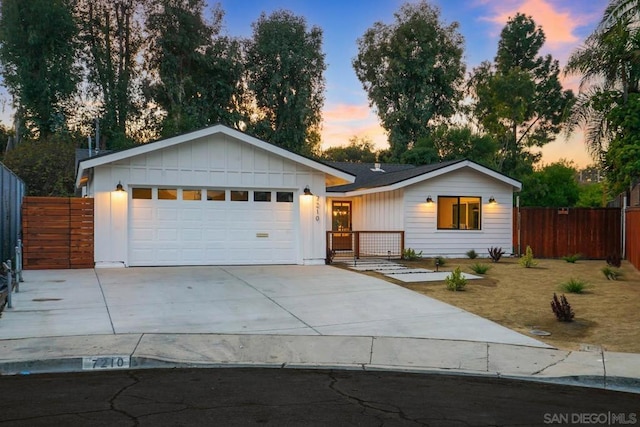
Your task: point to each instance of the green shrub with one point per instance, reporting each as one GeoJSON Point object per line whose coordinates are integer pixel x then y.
{"type": "Point", "coordinates": [573, 286]}
{"type": "Point", "coordinates": [611, 273]}
{"type": "Point", "coordinates": [527, 260]}
{"type": "Point", "coordinates": [472, 254]}
{"type": "Point", "coordinates": [495, 253]}
{"type": "Point", "coordinates": [411, 255]}
{"type": "Point", "coordinates": [480, 268]}
{"type": "Point", "coordinates": [455, 281]}
{"type": "Point", "coordinates": [571, 258]}
{"type": "Point", "coordinates": [562, 309]}
{"type": "Point", "coordinates": [440, 261]}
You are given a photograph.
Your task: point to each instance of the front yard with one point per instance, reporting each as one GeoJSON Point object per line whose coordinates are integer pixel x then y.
{"type": "Point", "coordinates": [607, 314]}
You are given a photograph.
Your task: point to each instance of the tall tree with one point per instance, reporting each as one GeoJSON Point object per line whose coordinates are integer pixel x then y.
{"type": "Point", "coordinates": [37, 61]}
{"type": "Point", "coordinates": [112, 40]}
{"type": "Point", "coordinates": [359, 150]}
{"type": "Point", "coordinates": [519, 99]}
{"type": "Point", "coordinates": [608, 104]}
{"type": "Point", "coordinates": [196, 72]}
{"type": "Point", "coordinates": [609, 65]}
{"type": "Point", "coordinates": [554, 185]}
{"type": "Point", "coordinates": [411, 70]}
{"type": "Point", "coordinates": [285, 69]}
{"type": "Point", "coordinates": [452, 143]}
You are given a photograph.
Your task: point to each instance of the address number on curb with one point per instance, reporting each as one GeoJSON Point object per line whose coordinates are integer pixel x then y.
{"type": "Point", "coordinates": [99, 363]}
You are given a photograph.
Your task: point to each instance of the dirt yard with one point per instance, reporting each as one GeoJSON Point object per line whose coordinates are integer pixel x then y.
{"type": "Point", "coordinates": [607, 314]}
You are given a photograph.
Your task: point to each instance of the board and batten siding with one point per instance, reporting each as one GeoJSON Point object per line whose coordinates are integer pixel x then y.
{"type": "Point", "coordinates": [378, 211]}
{"type": "Point", "coordinates": [420, 218]}
{"type": "Point", "coordinates": [214, 161]}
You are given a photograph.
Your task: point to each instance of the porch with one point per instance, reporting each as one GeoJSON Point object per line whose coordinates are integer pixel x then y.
{"type": "Point", "coordinates": [365, 244]}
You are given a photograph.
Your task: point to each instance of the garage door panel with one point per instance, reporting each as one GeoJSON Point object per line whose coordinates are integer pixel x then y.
{"type": "Point", "coordinates": [168, 232]}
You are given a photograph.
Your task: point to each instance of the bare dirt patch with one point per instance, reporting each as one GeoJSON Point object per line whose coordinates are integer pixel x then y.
{"type": "Point", "coordinates": [607, 314]}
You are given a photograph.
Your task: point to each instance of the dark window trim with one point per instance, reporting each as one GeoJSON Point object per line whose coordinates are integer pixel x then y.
{"type": "Point", "coordinates": [458, 203]}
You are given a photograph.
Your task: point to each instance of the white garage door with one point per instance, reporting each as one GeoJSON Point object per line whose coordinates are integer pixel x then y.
{"type": "Point", "coordinates": [175, 226]}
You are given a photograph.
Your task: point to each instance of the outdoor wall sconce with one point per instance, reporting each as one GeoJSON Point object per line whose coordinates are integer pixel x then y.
{"type": "Point", "coordinates": [429, 199]}
{"type": "Point", "coordinates": [119, 187]}
{"type": "Point", "coordinates": [492, 201]}
{"type": "Point", "coordinates": [307, 191]}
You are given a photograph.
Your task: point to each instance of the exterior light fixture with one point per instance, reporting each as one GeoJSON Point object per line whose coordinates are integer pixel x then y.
{"type": "Point", "coordinates": [307, 191]}
{"type": "Point", "coordinates": [492, 200]}
{"type": "Point", "coordinates": [119, 187]}
{"type": "Point", "coordinates": [429, 199]}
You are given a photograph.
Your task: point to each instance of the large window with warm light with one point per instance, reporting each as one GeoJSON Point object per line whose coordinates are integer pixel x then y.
{"type": "Point", "coordinates": [459, 213]}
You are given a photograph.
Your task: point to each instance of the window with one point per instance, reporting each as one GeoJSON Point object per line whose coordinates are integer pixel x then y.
{"type": "Point", "coordinates": [191, 195]}
{"type": "Point", "coordinates": [239, 196]}
{"type": "Point", "coordinates": [167, 194]}
{"type": "Point", "coordinates": [141, 193]}
{"type": "Point", "coordinates": [459, 213]}
{"type": "Point", "coordinates": [262, 196]}
{"type": "Point", "coordinates": [284, 197]}
{"type": "Point", "coordinates": [216, 195]}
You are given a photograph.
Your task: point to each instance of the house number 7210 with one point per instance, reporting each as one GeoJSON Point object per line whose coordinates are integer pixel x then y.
{"type": "Point", "coordinates": [317, 208]}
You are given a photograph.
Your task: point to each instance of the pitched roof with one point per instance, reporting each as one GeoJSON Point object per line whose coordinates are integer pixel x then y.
{"type": "Point", "coordinates": [86, 164]}
{"type": "Point", "coordinates": [392, 176]}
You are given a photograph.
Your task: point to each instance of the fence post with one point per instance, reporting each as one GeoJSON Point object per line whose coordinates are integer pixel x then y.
{"type": "Point", "coordinates": [18, 265]}
{"type": "Point", "coordinates": [7, 266]}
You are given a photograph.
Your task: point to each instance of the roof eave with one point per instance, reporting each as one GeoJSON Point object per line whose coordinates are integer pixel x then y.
{"type": "Point", "coordinates": [87, 164]}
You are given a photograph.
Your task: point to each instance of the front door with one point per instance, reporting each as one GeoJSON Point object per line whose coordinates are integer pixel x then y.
{"type": "Point", "coordinates": [341, 221]}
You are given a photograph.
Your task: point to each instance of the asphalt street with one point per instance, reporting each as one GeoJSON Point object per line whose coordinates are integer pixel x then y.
{"type": "Point", "coordinates": [288, 397]}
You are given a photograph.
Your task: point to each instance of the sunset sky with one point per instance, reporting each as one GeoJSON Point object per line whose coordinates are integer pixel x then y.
{"type": "Point", "coordinates": [566, 24]}
{"type": "Point", "coordinates": [346, 113]}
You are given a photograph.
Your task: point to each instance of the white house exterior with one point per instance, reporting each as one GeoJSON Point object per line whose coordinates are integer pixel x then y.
{"type": "Point", "coordinates": [214, 196]}
{"type": "Point", "coordinates": [394, 197]}
{"type": "Point", "coordinates": [218, 196]}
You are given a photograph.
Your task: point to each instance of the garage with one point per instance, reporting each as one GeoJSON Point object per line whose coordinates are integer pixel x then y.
{"type": "Point", "coordinates": [215, 196]}
{"type": "Point", "coordinates": [200, 226]}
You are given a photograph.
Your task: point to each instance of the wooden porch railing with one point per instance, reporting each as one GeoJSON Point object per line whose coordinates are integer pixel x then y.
{"type": "Point", "coordinates": [360, 244]}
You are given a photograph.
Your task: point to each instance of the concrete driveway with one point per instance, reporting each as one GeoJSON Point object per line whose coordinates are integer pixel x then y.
{"type": "Point", "coordinates": [294, 300]}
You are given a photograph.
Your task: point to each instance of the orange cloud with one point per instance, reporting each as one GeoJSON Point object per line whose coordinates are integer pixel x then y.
{"type": "Point", "coordinates": [344, 121]}
{"type": "Point", "coordinates": [558, 23]}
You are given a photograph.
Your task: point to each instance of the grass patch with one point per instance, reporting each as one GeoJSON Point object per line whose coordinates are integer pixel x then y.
{"type": "Point", "coordinates": [573, 286]}
{"type": "Point", "coordinates": [571, 258]}
{"type": "Point", "coordinates": [480, 268]}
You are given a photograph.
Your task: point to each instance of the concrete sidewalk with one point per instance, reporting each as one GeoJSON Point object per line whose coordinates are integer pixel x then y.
{"type": "Point", "coordinates": [608, 370]}
{"type": "Point", "coordinates": [272, 316]}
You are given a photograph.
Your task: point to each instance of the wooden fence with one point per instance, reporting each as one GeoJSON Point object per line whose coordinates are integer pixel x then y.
{"type": "Point", "coordinates": [57, 233]}
{"type": "Point", "coordinates": [632, 231]}
{"type": "Point", "coordinates": [595, 233]}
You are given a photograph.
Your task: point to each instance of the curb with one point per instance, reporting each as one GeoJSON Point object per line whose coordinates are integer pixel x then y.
{"type": "Point", "coordinates": [75, 364]}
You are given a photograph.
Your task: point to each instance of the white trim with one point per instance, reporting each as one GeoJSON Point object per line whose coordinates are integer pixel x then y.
{"type": "Point", "coordinates": [517, 186]}
{"type": "Point", "coordinates": [169, 142]}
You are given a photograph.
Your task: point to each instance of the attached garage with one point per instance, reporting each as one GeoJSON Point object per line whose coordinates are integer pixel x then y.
{"type": "Point", "coordinates": [187, 226]}
{"type": "Point", "coordinates": [211, 197]}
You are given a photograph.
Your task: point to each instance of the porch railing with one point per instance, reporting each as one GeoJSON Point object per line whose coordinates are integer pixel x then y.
{"type": "Point", "coordinates": [361, 244]}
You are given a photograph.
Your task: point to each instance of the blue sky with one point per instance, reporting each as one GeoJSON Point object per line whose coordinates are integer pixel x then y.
{"type": "Point", "coordinates": [566, 24]}
{"type": "Point", "coordinates": [346, 112]}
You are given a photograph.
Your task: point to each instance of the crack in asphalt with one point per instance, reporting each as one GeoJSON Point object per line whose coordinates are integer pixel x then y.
{"type": "Point", "coordinates": [375, 406]}
{"type": "Point", "coordinates": [112, 400]}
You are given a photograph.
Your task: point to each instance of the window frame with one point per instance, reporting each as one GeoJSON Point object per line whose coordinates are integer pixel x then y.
{"type": "Point", "coordinates": [457, 225]}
